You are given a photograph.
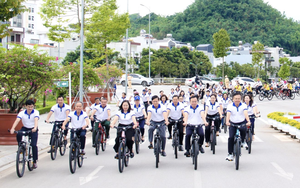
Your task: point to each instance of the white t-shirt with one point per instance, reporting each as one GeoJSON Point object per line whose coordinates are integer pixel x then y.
{"type": "Point", "coordinates": [157, 113]}
{"type": "Point", "coordinates": [60, 112]}
{"type": "Point", "coordinates": [206, 98]}
{"type": "Point", "coordinates": [78, 121]}
{"type": "Point", "coordinates": [219, 98]}
{"type": "Point", "coordinates": [122, 99]}
{"type": "Point", "coordinates": [102, 112]}
{"type": "Point", "coordinates": [144, 97]}
{"type": "Point", "coordinates": [125, 118]}
{"type": "Point", "coordinates": [237, 113]}
{"type": "Point", "coordinates": [28, 119]}
{"type": "Point", "coordinates": [150, 95]}
{"type": "Point", "coordinates": [194, 115]}
{"type": "Point", "coordinates": [175, 111]}
{"type": "Point", "coordinates": [250, 108]}
{"type": "Point", "coordinates": [171, 95]}
{"type": "Point", "coordinates": [138, 110]}
{"type": "Point", "coordinates": [164, 104]}
{"type": "Point", "coordinates": [225, 102]}
{"type": "Point", "coordinates": [212, 108]}
{"type": "Point", "coordinates": [94, 105]}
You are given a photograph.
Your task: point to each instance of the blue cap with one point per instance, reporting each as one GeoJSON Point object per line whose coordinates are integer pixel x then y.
{"type": "Point", "coordinates": [137, 98]}
{"type": "Point", "coordinates": [144, 90]}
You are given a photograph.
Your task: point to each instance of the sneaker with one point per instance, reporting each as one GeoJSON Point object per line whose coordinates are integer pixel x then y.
{"type": "Point", "coordinates": [243, 145]}
{"type": "Point", "coordinates": [150, 146]}
{"type": "Point", "coordinates": [207, 144]}
{"type": "Point", "coordinates": [131, 155]}
{"type": "Point", "coordinates": [170, 137]}
{"type": "Point", "coordinates": [35, 166]}
{"type": "Point", "coordinates": [143, 139]}
{"type": "Point", "coordinates": [187, 154]}
{"type": "Point", "coordinates": [117, 156]}
{"type": "Point", "coordinates": [229, 157]}
{"type": "Point", "coordinates": [201, 149]}
{"type": "Point", "coordinates": [180, 148]}
{"type": "Point", "coordinates": [163, 153]}
{"type": "Point", "coordinates": [94, 145]}
{"type": "Point", "coordinates": [217, 133]}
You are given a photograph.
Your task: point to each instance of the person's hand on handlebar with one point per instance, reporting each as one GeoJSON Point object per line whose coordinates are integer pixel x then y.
{"type": "Point", "coordinates": [248, 123]}
{"type": "Point", "coordinates": [228, 124]}
{"type": "Point", "coordinates": [47, 121]}
{"type": "Point", "coordinates": [92, 118]}
{"type": "Point", "coordinates": [12, 131]}
{"type": "Point", "coordinates": [184, 123]}
{"type": "Point", "coordinates": [148, 123]}
{"type": "Point", "coordinates": [135, 126]}
{"type": "Point", "coordinates": [206, 123]}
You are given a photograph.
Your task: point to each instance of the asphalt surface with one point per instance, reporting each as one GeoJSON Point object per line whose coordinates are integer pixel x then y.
{"type": "Point", "coordinates": [274, 162]}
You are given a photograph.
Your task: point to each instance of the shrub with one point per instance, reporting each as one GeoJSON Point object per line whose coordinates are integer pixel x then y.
{"type": "Point", "coordinates": [44, 110]}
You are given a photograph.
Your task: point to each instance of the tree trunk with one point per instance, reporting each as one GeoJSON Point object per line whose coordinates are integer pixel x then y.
{"type": "Point", "coordinates": [223, 70]}
{"type": "Point", "coordinates": [44, 100]}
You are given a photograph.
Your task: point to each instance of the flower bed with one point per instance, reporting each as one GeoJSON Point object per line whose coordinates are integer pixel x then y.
{"type": "Point", "coordinates": [285, 124]}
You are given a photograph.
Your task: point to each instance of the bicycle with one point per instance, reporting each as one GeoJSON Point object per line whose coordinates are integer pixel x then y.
{"type": "Point", "coordinates": [213, 137]}
{"type": "Point", "coordinates": [237, 144]}
{"type": "Point", "coordinates": [195, 145]}
{"type": "Point", "coordinates": [249, 135]}
{"type": "Point", "coordinates": [265, 94]}
{"type": "Point", "coordinates": [224, 120]}
{"type": "Point", "coordinates": [137, 135]}
{"type": "Point", "coordinates": [175, 140]}
{"type": "Point", "coordinates": [157, 143]}
{"type": "Point", "coordinates": [287, 94]}
{"type": "Point", "coordinates": [123, 152]}
{"type": "Point", "coordinates": [74, 154]}
{"type": "Point", "coordinates": [57, 140]}
{"type": "Point", "coordinates": [100, 138]}
{"type": "Point", "coordinates": [24, 153]}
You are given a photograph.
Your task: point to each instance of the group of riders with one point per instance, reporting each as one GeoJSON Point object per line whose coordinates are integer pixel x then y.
{"type": "Point", "coordinates": [197, 106]}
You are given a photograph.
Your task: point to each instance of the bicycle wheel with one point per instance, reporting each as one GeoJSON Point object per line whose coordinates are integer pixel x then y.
{"type": "Point", "coordinates": [237, 154]}
{"type": "Point", "coordinates": [97, 143]}
{"type": "Point", "coordinates": [121, 157]}
{"type": "Point", "coordinates": [72, 158]}
{"type": "Point", "coordinates": [157, 148]}
{"type": "Point", "coordinates": [196, 152]}
{"type": "Point", "coordinates": [175, 138]}
{"type": "Point", "coordinates": [213, 143]}
{"type": "Point", "coordinates": [225, 126]}
{"type": "Point", "coordinates": [277, 95]}
{"type": "Point", "coordinates": [270, 96]}
{"type": "Point", "coordinates": [20, 161]}
{"type": "Point", "coordinates": [79, 158]}
{"type": "Point", "coordinates": [249, 141]}
{"type": "Point", "coordinates": [254, 93]}
{"type": "Point", "coordinates": [30, 159]}
{"type": "Point", "coordinates": [292, 96]}
{"type": "Point", "coordinates": [54, 147]}
{"type": "Point", "coordinates": [261, 96]}
{"type": "Point", "coordinates": [103, 141]}
{"type": "Point", "coordinates": [62, 146]}
{"type": "Point", "coordinates": [137, 141]}
{"type": "Point", "coordinates": [283, 96]}
{"type": "Point", "coordinates": [126, 158]}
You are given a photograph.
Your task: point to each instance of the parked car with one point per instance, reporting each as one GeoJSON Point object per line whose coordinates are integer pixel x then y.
{"type": "Point", "coordinates": [137, 79]}
{"type": "Point", "coordinates": [205, 80]}
{"type": "Point", "coordinates": [242, 80]}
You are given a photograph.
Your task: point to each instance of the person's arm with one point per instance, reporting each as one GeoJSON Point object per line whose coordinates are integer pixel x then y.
{"type": "Point", "coordinates": [185, 118]}
{"type": "Point", "coordinates": [227, 118]}
{"type": "Point", "coordinates": [168, 112]}
{"type": "Point", "coordinates": [12, 130]}
{"type": "Point", "coordinates": [166, 118]}
{"type": "Point", "coordinates": [134, 122]}
{"type": "Point", "coordinates": [109, 115]}
{"type": "Point", "coordinates": [65, 123]}
{"type": "Point", "coordinates": [144, 112]}
{"type": "Point", "coordinates": [206, 111]}
{"type": "Point", "coordinates": [255, 110]}
{"type": "Point", "coordinates": [114, 121]}
{"type": "Point", "coordinates": [36, 120]}
{"type": "Point", "coordinates": [203, 116]}
{"type": "Point", "coordinates": [67, 113]}
{"type": "Point", "coordinates": [93, 113]}
{"type": "Point", "coordinates": [49, 115]}
{"type": "Point", "coordinates": [86, 123]}
{"type": "Point", "coordinates": [220, 112]}
{"type": "Point", "coordinates": [247, 117]}
{"type": "Point", "coordinates": [148, 118]}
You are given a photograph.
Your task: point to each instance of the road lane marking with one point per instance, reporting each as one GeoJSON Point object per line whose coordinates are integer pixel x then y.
{"type": "Point", "coordinates": [282, 138]}
{"type": "Point", "coordinates": [90, 177]}
{"type": "Point", "coordinates": [282, 173]}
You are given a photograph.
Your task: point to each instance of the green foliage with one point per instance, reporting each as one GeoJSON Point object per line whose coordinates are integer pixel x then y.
{"type": "Point", "coordinates": [234, 69]}
{"type": "Point", "coordinates": [221, 43]}
{"type": "Point", "coordinates": [44, 110]}
{"type": "Point", "coordinates": [113, 73]}
{"type": "Point", "coordinates": [9, 9]}
{"type": "Point", "coordinates": [284, 71]}
{"type": "Point", "coordinates": [24, 72]}
{"type": "Point", "coordinates": [246, 20]}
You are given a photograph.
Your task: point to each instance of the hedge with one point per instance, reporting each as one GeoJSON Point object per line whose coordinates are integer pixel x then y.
{"type": "Point", "coordinates": [44, 110]}
{"type": "Point", "coordinates": [278, 116]}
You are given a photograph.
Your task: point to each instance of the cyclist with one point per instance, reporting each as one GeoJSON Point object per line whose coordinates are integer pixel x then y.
{"type": "Point", "coordinates": [97, 102]}
{"type": "Point", "coordinates": [249, 89]}
{"type": "Point", "coordinates": [206, 98]}
{"type": "Point", "coordinates": [171, 94]}
{"type": "Point", "coordinates": [212, 109]}
{"type": "Point", "coordinates": [157, 114]}
{"type": "Point", "coordinates": [175, 112]}
{"type": "Point", "coordinates": [150, 97]}
{"type": "Point", "coordinates": [140, 113]}
{"type": "Point", "coordinates": [259, 85]}
{"type": "Point", "coordinates": [29, 118]}
{"type": "Point", "coordinates": [193, 115]}
{"type": "Point", "coordinates": [225, 101]}
{"type": "Point", "coordinates": [145, 99]}
{"type": "Point", "coordinates": [289, 89]}
{"type": "Point", "coordinates": [164, 100]}
{"type": "Point", "coordinates": [219, 96]}
{"type": "Point", "coordinates": [61, 112]}
{"type": "Point", "coordinates": [238, 87]}
{"type": "Point", "coordinates": [102, 113]}
{"type": "Point", "coordinates": [266, 88]}
{"type": "Point", "coordinates": [236, 114]}
{"type": "Point", "coordinates": [182, 101]}
{"type": "Point", "coordinates": [252, 111]}
{"type": "Point", "coordinates": [122, 99]}
{"type": "Point", "coordinates": [126, 117]}
{"type": "Point", "coordinates": [80, 121]}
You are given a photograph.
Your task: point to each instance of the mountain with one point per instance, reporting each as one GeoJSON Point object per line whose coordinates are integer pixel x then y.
{"type": "Point", "coordinates": [244, 20]}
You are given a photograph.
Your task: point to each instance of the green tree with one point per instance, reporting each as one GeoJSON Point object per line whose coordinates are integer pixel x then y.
{"type": "Point", "coordinates": [258, 56]}
{"type": "Point", "coordinates": [9, 9]}
{"type": "Point", "coordinates": [221, 45]}
{"type": "Point", "coordinates": [284, 71]}
{"type": "Point", "coordinates": [24, 72]}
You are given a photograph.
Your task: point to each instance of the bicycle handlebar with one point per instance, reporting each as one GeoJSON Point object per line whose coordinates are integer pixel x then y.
{"type": "Point", "coordinates": [213, 118]}
{"type": "Point", "coordinates": [175, 121]}
{"type": "Point", "coordinates": [123, 128]}
{"type": "Point", "coordinates": [238, 125]}
{"type": "Point", "coordinates": [22, 132]}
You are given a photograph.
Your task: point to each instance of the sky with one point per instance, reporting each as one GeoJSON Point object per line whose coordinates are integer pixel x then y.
{"type": "Point", "coordinates": [170, 7]}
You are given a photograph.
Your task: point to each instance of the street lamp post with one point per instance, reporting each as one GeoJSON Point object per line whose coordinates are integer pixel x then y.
{"type": "Point", "coordinates": [126, 66]}
{"type": "Point", "coordinates": [81, 53]}
{"type": "Point", "coordinates": [149, 40]}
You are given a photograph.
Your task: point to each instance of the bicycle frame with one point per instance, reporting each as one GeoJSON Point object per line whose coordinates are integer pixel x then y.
{"type": "Point", "coordinates": [26, 142]}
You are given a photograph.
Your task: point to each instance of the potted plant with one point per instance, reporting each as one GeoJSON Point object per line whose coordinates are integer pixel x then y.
{"type": "Point", "coordinates": [23, 72]}
{"type": "Point", "coordinates": [298, 130]}
{"type": "Point", "coordinates": [292, 128]}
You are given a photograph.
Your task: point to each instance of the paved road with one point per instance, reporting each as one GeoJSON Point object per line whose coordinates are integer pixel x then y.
{"type": "Point", "coordinates": [274, 162]}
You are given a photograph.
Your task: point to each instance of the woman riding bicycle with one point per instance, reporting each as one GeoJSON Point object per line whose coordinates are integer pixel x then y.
{"type": "Point", "coordinates": [212, 110]}
{"type": "Point", "coordinates": [252, 111]}
{"type": "Point", "coordinates": [225, 101]}
{"type": "Point", "coordinates": [140, 114]}
{"type": "Point", "coordinates": [126, 118]}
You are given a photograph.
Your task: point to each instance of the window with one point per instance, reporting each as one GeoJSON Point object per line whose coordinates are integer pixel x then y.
{"type": "Point", "coordinates": [34, 41]}
{"type": "Point", "coordinates": [29, 9]}
{"type": "Point", "coordinates": [32, 10]}
{"type": "Point", "coordinates": [32, 18]}
{"type": "Point", "coordinates": [19, 24]}
{"type": "Point", "coordinates": [0, 40]}
{"type": "Point", "coordinates": [29, 17]}
{"type": "Point", "coordinates": [32, 26]}
{"type": "Point", "coordinates": [146, 41]}
{"type": "Point", "coordinates": [29, 25]}
{"type": "Point", "coordinates": [12, 38]}
{"type": "Point", "coordinates": [19, 16]}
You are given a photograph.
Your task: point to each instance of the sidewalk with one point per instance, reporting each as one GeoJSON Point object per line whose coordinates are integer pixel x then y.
{"type": "Point", "coordinates": [8, 153]}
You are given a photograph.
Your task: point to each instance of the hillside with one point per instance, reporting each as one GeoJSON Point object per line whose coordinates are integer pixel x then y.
{"type": "Point", "coordinates": [245, 20]}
